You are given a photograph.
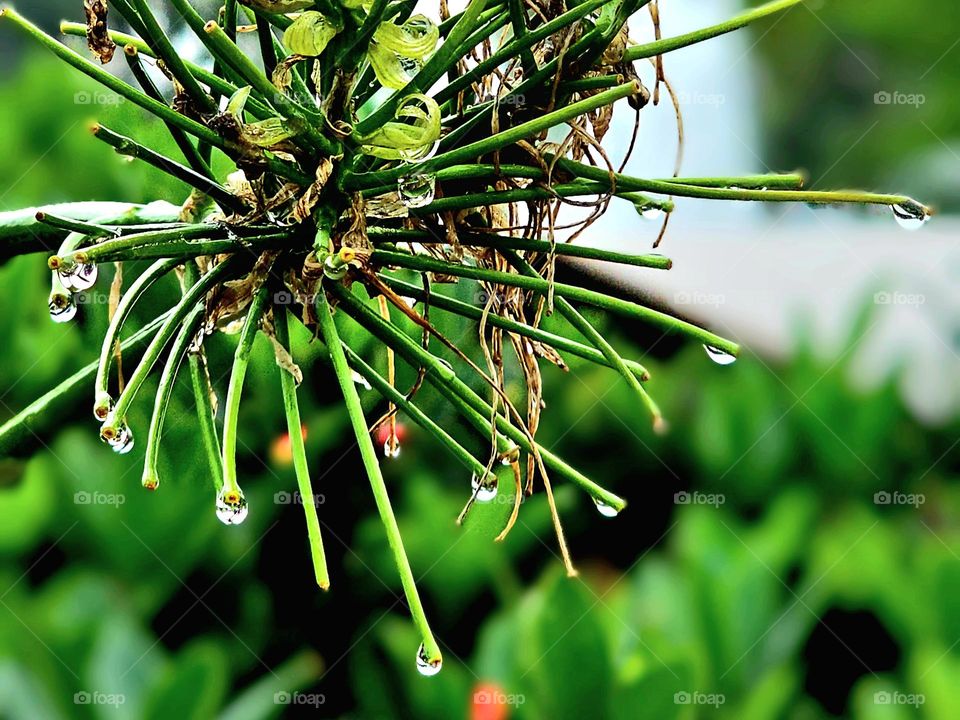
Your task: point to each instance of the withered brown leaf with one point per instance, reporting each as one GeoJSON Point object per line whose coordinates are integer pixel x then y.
{"type": "Point", "coordinates": [98, 38]}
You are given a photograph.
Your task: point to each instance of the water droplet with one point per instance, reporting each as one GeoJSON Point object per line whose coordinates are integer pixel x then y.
{"type": "Point", "coordinates": [605, 510]}
{"type": "Point", "coordinates": [391, 447]}
{"type": "Point", "coordinates": [416, 190]}
{"type": "Point", "coordinates": [79, 277]}
{"type": "Point", "coordinates": [409, 301]}
{"type": "Point", "coordinates": [910, 216]}
{"type": "Point", "coordinates": [651, 212]}
{"type": "Point", "coordinates": [62, 307]}
{"type": "Point", "coordinates": [360, 380]}
{"type": "Point", "coordinates": [720, 357]}
{"type": "Point", "coordinates": [484, 492]}
{"type": "Point", "coordinates": [334, 270]}
{"type": "Point", "coordinates": [425, 666]}
{"type": "Point", "coordinates": [118, 436]}
{"type": "Point", "coordinates": [231, 507]}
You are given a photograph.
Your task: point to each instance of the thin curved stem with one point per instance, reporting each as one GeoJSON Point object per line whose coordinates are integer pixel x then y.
{"type": "Point", "coordinates": [572, 292]}
{"type": "Point", "coordinates": [291, 408]}
{"type": "Point", "coordinates": [431, 650]}
{"type": "Point", "coordinates": [231, 415]}
{"type": "Point", "coordinates": [181, 344]}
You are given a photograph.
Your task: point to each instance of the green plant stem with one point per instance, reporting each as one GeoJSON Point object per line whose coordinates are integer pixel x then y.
{"type": "Point", "coordinates": [143, 281]}
{"type": "Point", "coordinates": [21, 232]}
{"type": "Point", "coordinates": [558, 342]}
{"type": "Point", "coordinates": [181, 344]}
{"type": "Point", "coordinates": [216, 83]}
{"type": "Point", "coordinates": [88, 229]}
{"type": "Point", "coordinates": [129, 147]}
{"type": "Point", "coordinates": [137, 97]}
{"type": "Point", "coordinates": [467, 402]}
{"type": "Point", "coordinates": [102, 250]}
{"type": "Point", "coordinates": [391, 394]}
{"type": "Point", "coordinates": [519, 44]}
{"type": "Point", "coordinates": [499, 242]}
{"type": "Point", "coordinates": [179, 247]}
{"type": "Point", "coordinates": [231, 416]}
{"type": "Point", "coordinates": [331, 337]}
{"type": "Point", "coordinates": [435, 68]}
{"type": "Point", "coordinates": [661, 47]}
{"type": "Point", "coordinates": [190, 153]}
{"type": "Point", "coordinates": [819, 197]}
{"type": "Point", "coordinates": [581, 324]}
{"type": "Point", "coordinates": [202, 394]}
{"type": "Point", "coordinates": [470, 152]}
{"type": "Point", "coordinates": [171, 58]}
{"type": "Point", "coordinates": [160, 340]}
{"type": "Point", "coordinates": [32, 421]}
{"type": "Point", "coordinates": [572, 292]}
{"type": "Point", "coordinates": [291, 407]}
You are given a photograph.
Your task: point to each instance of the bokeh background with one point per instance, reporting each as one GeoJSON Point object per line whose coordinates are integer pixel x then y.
{"type": "Point", "coordinates": [791, 548]}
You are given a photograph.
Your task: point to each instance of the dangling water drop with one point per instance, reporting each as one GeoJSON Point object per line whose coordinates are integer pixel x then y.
{"type": "Point", "coordinates": [424, 666]}
{"type": "Point", "coordinates": [484, 492]}
{"type": "Point", "coordinates": [118, 436]}
{"type": "Point", "coordinates": [62, 307]}
{"type": "Point", "coordinates": [80, 277]}
{"type": "Point", "coordinates": [650, 212]}
{"type": "Point", "coordinates": [416, 190]}
{"type": "Point", "coordinates": [231, 507]}
{"type": "Point", "coordinates": [720, 357]}
{"type": "Point", "coordinates": [391, 447]}
{"type": "Point", "coordinates": [910, 217]}
{"type": "Point", "coordinates": [605, 510]}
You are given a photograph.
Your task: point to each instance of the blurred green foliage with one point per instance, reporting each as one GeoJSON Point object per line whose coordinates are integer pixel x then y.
{"type": "Point", "coordinates": [865, 97]}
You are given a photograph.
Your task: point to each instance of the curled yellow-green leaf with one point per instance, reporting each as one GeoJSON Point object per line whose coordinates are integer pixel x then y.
{"type": "Point", "coordinates": [416, 38]}
{"type": "Point", "coordinates": [392, 70]}
{"type": "Point", "coordinates": [309, 34]}
{"type": "Point", "coordinates": [411, 136]}
{"type": "Point", "coordinates": [267, 133]}
{"type": "Point", "coordinates": [238, 101]}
